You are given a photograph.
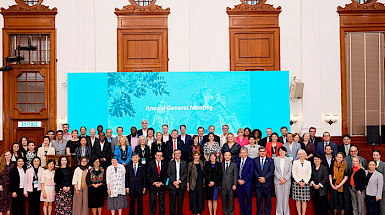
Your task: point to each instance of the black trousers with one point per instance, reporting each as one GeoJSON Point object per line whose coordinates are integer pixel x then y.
{"type": "Point", "coordinates": [154, 191]}
{"type": "Point", "coordinates": [320, 204]}
{"type": "Point", "coordinates": [34, 203]}
{"type": "Point", "coordinates": [372, 206]}
{"type": "Point", "coordinates": [18, 203]}
{"type": "Point", "coordinates": [176, 195]}
{"type": "Point", "coordinates": [138, 195]}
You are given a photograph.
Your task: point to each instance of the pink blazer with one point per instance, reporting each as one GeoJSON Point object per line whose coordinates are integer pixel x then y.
{"type": "Point", "coordinates": [244, 141]}
{"type": "Point", "coordinates": [29, 179]}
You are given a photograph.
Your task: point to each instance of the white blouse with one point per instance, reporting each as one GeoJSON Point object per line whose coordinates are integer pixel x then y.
{"type": "Point", "coordinates": [301, 172]}
{"type": "Point", "coordinates": [115, 177]}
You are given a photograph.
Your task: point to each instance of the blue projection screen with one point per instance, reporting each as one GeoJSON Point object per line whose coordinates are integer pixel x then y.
{"type": "Point", "coordinates": [255, 99]}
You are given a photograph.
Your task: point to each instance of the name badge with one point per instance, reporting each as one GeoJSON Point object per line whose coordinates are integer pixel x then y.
{"type": "Point", "coordinates": [35, 184]}
{"type": "Point", "coordinates": [143, 160]}
{"type": "Point", "coordinates": [273, 156]}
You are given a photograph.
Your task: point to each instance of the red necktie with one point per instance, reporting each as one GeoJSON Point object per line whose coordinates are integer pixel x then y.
{"type": "Point", "coordinates": [158, 168]}
{"type": "Point", "coordinates": [174, 144]}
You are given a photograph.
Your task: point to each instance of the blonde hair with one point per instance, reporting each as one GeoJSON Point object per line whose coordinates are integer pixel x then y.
{"type": "Point", "coordinates": [125, 140]}
{"type": "Point", "coordinates": [227, 137]}
{"type": "Point", "coordinates": [241, 131]}
{"type": "Point", "coordinates": [359, 162]}
{"type": "Point", "coordinates": [142, 137]}
{"type": "Point", "coordinates": [301, 151]}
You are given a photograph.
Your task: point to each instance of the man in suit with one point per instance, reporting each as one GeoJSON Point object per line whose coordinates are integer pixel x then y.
{"type": "Point", "coordinates": [177, 174]}
{"type": "Point", "coordinates": [282, 139]}
{"type": "Point", "coordinates": [83, 133]}
{"type": "Point", "coordinates": [229, 183]}
{"type": "Point", "coordinates": [135, 183]}
{"type": "Point", "coordinates": [245, 166]}
{"type": "Point", "coordinates": [223, 136]}
{"type": "Point", "coordinates": [133, 138]}
{"type": "Point", "coordinates": [102, 150]}
{"type": "Point", "coordinates": [186, 139]}
{"type": "Point", "coordinates": [172, 145]}
{"type": "Point", "coordinates": [93, 138]}
{"type": "Point", "coordinates": [320, 148]}
{"type": "Point", "coordinates": [201, 132]}
{"type": "Point", "coordinates": [266, 139]}
{"type": "Point", "coordinates": [380, 168]}
{"type": "Point", "coordinates": [291, 146]}
{"type": "Point", "coordinates": [313, 138]}
{"type": "Point", "coordinates": [345, 147]}
{"type": "Point", "coordinates": [328, 159]}
{"type": "Point", "coordinates": [59, 144]}
{"type": "Point", "coordinates": [109, 134]}
{"type": "Point", "coordinates": [157, 177]}
{"type": "Point", "coordinates": [143, 130]}
{"type": "Point", "coordinates": [264, 172]}
{"type": "Point", "coordinates": [354, 153]}
{"type": "Point", "coordinates": [115, 140]}
{"type": "Point", "coordinates": [166, 136]}
{"type": "Point", "coordinates": [206, 137]}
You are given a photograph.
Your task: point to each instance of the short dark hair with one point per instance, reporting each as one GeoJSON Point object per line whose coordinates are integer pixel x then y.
{"type": "Point", "coordinates": [182, 126]}
{"type": "Point", "coordinates": [283, 148]}
{"type": "Point", "coordinates": [59, 131]}
{"type": "Point", "coordinates": [119, 127]}
{"type": "Point", "coordinates": [165, 125]}
{"type": "Point", "coordinates": [261, 147]}
{"type": "Point", "coordinates": [65, 124]}
{"type": "Point", "coordinates": [134, 154]}
{"type": "Point", "coordinates": [274, 133]}
{"type": "Point", "coordinates": [376, 151]}
{"type": "Point", "coordinates": [151, 129]}
{"type": "Point", "coordinates": [318, 156]}
{"type": "Point", "coordinates": [51, 161]}
{"type": "Point", "coordinates": [329, 146]}
{"type": "Point", "coordinates": [312, 128]}
{"type": "Point", "coordinates": [83, 127]}
{"type": "Point", "coordinates": [290, 134]}
{"type": "Point", "coordinates": [283, 127]}
{"type": "Point", "coordinates": [49, 131]}
{"type": "Point", "coordinates": [174, 130]}
{"type": "Point", "coordinates": [257, 131]}
{"type": "Point", "coordinates": [47, 137]}
{"type": "Point", "coordinates": [346, 135]}
{"type": "Point", "coordinates": [201, 128]}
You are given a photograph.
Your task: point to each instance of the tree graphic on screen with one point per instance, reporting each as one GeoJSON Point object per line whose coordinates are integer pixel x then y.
{"type": "Point", "coordinates": [123, 87]}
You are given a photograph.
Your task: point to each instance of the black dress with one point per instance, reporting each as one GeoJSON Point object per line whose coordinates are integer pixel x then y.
{"type": "Point", "coordinates": [212, 174]}
{"type": "Point", "coordinates": [340, 200]}
{"type": "Point", "coordinates": [96, 196]}
{"type": "Point", "coordinates": [73, 145]}
{"type": "Point", "coordinates": [197, 201]}
{"type": "Point", "coordinates": [234, 150]}
{"type": "Point", "coordinates": [63, 200]}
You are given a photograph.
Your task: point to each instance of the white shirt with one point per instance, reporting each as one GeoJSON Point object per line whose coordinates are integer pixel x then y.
{"type": "Point", "coordinates": [160, 165]}
{"type": "Point", "coordinates": [378, 163]}
{"type": "Point", "coordinates": [22, 176]}
{"type": "Point", "coordinates": [282, 164]}
{"type": "Point", "coordinates": [92, 141]}
{"type": "Point", "coordinates": [135, 165]}
{"type": "Point", "coordinates": [262, 159]}
{"type": "Point", "coordinates": [101, 146]}
{"type": "Point", "coordinates": [149, 142]}
{"type": "Point", "coordinates": [144, 132]}
{"type": "Point", "coordinates": [227, 164]}
{"type": "Point", "coordinates": [183, 138]}
{"type": "Point", "coordinates": [177, 164]}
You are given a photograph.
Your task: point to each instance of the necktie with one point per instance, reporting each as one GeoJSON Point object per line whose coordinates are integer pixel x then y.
{"type": "Point", "coordinates": [158, 167]}
{"type": "Point", "coordinates": [135, 169]}
{"type": "Point", "coordinates": [262, 164]}
{"type": "Point", "coordinates": [240, 171]}
{"type": "Point", "coordinates": [227, 167]}
{"type": "Point", "coordinates": [174, 144]}
{"type": "Point", "coordinates": [200, 140]}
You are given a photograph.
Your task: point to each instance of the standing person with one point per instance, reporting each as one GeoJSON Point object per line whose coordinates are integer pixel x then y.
{"type": "Point", "coordinates": [23, 145]}
{"type": "Point", "coordinates": [123, 151]}
{"type": "Point", "coordinates": [247, 132]}
{"type": "Point", "coordinates": [99, 130]}
{"type": "Point", "coordinates": [245, 182]}
{"type": "Point", "coordinates": [16, 177]}
{"type": "Point", "coordinates": [93, 139]}
{"type": "Point", "coordinates": [15, 151]}
{"type": "Point", "coordinates": [266, 139]}
{"type": "Point", "coordinates": [291, 146]}
{"type": "Point", "coordinates": [354, 153]}
{"type": "Point", "coordinates": [319, 180]}
{"type": "Point", "coordinates": [143, 151]}
{"type": "Point", "coordinates": [264, 174]}
{"type": "Point", "coordinates": [172, 145]}
{"type": "Point", "coordinates": [44, 150]}
{"type": "Point", "coordinates": [283, 139]}
{"type": "Point", "coordinates": [150, 138]}
{"type": "Point", "coordinates": [157, 177]}
{"type": "Point", "coordinates": [241, 139]}
{"type": "Point", "coordinates": [328, 159]}
{"type": "Point", "coordinates": [252, 148]}
{"type": "Point", "coordinates": [60, 143]}
{"type": "Point", "coordinates": [206, 137]}
{"type": "Point", "coordinates": [135, 183]}
{"type": "Point", "coordinates": [115, 179]}
{"type": "Point", "coordinates": [320, 149]}
{"type": "Point", "coordinates": [165, 136]}
{"type": "Point", "coordinates": [73, 143]}
{"type": "Point", "coordinates": [211, 146]}
{"type": "Point", "coordinates": [80, 203]}
{"type": "Point", "coordinates": [308, 146]}
{"type": "Point", "coordinates": [183, 136]}
{"type": "Point", "coordinates": [357, 187]}
{"type": "Point", "coordinates": [380, 167]}
{"type": "Point", "coordinates": [115, 140]}
{"type": "Point", "coordinates": [229, 183]}
{"type": "Point", "coordinates": [374, 189]}
{"type": "Point", "coordinates": [66, 134]}
{"type": "Point", "coordinates": [312, 138]}
{"type": "Point", "coordinates": [133, 139]}
{"type": "Point", "coordinates": [212, 172]}
{"type": "Point", "coordinates": [32, 186]}
{"type": "Point", "coordinates": [143, 131]}
{"type": "Point", "coordinates": [257, 134]}
{"type": "Point", "coordinates": [48, 187]}
{"type": "Point", "coordinates": [194, 147]}
{"type": "Point", "coordinates": [82, 151]}
{"type": "Point", "coordinates": [63, 179]}
{"type": "Point", "coordinates": [5, 195]}
{"type": "Point", "coordinates": [232, 147]}
{"type": "Point", "coordinates": [345, 147]}
{"type": "Point", "coordinates": [102, 151]}
{"type": "Point", "coordinates": [30, 155]}
{"type": "Point", "coordinates": [195, 183]}
{"type": "Point", "coordinates": [282, 181]}
{"type": "Point", "coordinates": [109, 136]}
{"type": "Point", "coordinates": [158, 146]}
{"type": "Point", "coordinates": [301, 172]}
{"type": "Point", "coordinates": [223, 136]}
{"type": "Point", "coordinates": [297, 138]}
{"type": "Point", "coordinates": [177, 173]}
{"type": "Point", "coordinates": [96, 182]}
{"type": "Point", "coordinates": [338, 177]}
{"type": "Point", "coordinates": [272, 148]}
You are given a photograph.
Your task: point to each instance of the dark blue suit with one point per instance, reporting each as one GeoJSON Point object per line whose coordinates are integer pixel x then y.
{"type": "Point", "coordinates": [136, 184]}
{"type": "Point", "coordinates": [263, 190]}
{"type": "Point", "coordinates": [320, 149]}
{"type": "Point", "coordinates": [170, 146]}
{"type": "Point", "coordinates": [186, 146]}
{"type": "Point", "coordinates": [245, 190]}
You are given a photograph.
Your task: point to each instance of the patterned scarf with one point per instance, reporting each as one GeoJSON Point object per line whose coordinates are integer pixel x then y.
{"type": "Point", "coordinates": [339, 173]}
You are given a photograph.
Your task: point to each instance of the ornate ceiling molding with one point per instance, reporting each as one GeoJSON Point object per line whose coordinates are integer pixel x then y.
{"type": "Point", "coordinates": [372, 6]}
{"type": "Point", "coordinates": [261, 8]}
{"type": "Point", "coordinates": [153, 9]}
{"type": "Point", "coordinates": [17, 9]}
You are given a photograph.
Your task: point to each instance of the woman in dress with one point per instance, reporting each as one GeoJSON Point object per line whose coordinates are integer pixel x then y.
{"type": "Point", "coordinates": [15, 151]}
{"type": "Point", "coordinates": [308, 146]}
{"type": "Point", "coordinates": [44, 150]}
{"type": "Point", "coordinates": [63, 179]}
{"type": "Point", "coordinates": [158, 145]}
{"type": "Point", "coordinates": [16, 176]}
{"type": "Point", "coordinates": [241, 139]}
{"type": "Point", "coordinates": [232, 147]}
{"type": "Point", "coordinates": [195, 147]}
{"type": "Point", "coordinates": [143, 151]}
{"type": "Point", "coordinates": [338, 176]}
{"type": "Point", "coordinates": [318, 183]}
{"type": "Point", "coordinates": [48, 187]}
{"type": "Point", "coordinates": [32, 186]}
{"type": "Point", "coordinates": [357, 186]}
{"type": "Point", "coordinates": [23, 143]}
{"type": "Point", "coordinates": [82, 151]}
{"type": "Point", "coordinates": [211, 146]}
{"type": "Point", "coordinates": [30, 154]}
{"type": "Point", "coordinates": [5, 195]}
{"type": "Point", "coordinates": [123, 151]}
{"type": "Point", "coordinates": [374, 189]}
{"type": "Point", "coordinates": [301, 172]}
{"type": "Point", "coordinates": [73, 143]}
{"type": "Point", "coordinates": [282, 181]}
{"type": "Point", "coordinates": [80, 202]}
{"type": "Point", "coordinates": [213, 179]}
{"type": "Point", "coordinates": [96, 182]}
{"type": "Point", "coordinates": [115, 179]}
{"type": "Point", "coordinates": [253, 148]}
{"type": "Point", "coordinates": [272, 148]}
{"type": "Point", "coordinates": [195, 183]}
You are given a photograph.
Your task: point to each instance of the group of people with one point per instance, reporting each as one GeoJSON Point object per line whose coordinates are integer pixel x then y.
{"type": "Point", "coordinates": [205, 166]}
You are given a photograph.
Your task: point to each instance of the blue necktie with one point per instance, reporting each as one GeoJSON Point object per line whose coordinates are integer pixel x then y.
{"type": "Point", "coordinates": [262, 165]}
{"type": "Point", "coordinates": [135, 170]}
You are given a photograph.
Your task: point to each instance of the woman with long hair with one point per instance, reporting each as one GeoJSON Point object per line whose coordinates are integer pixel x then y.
{"type": "Point", "coordinates": [23, 143]}
{"type": "Point", "coordinates": [357, 186]}
{"type": "Point", "coordinates": [232, 147]}
{"type": "Point", "coordinates": [63, 179]}
{"type": "Point", "coordinates": [48, 187]}
{"type": "Point", "coordinates": [15, 151]}
{"type": "Point", "coordinates": [80, 202]}
{"type": "Point", "coordinates": [44, 150]}
{"type": "Point", "coordinates": [123, 151]}
{"type": "Point", "coordinates": [96, 181]}
{"type": "Point", "coordinates": [5, 195]}
{"type": "Point", "coordinates": [338, 176]}
{"type": "Point", "coordinates": [32, 186]}
{"type": "Point", "coordinates": [195, 147]}
{"type": "Point", "coordinates": [16, 176]}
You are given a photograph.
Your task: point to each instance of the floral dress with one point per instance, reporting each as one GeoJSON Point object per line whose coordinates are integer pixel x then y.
{"type": "Point", "coordinates": [5, 195]}
{"type": "Point", "coordinates": [49, 185]}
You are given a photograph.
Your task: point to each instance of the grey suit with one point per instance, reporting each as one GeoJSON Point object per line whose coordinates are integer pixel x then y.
{"type": "Point", "coordinates": [381, 169]}
{"type": "Point", "coordinates": [229, 178]}
{"type": "Point", "coordinates": [55, 144]}
{"type": "Point", "coordinates": [114, 143]}
{"type": "Point", "coordinates": [292, 152]}
{"type": "Point", "coordinates": [282, 191]}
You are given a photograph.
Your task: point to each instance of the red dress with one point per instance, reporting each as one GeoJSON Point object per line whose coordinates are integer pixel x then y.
{"type": "Point", "coordinates": [269, 149]}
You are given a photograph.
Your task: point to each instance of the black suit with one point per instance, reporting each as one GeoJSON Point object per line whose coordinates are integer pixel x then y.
{"type": "Point", "coordinates": [155, 149]}
{"type": "Point", "coordinates": [136, 184]}
{"type": "Point", "coordinates": [18, 203]}
{"type": "Point", "coordinates": [206, 139]}
{"type": "Point", "coordinates": [96, 140]}
{"type": "Point", "coordinates": [341, 148]}
{"type": "Point", "coordinates": [153, 176]}
{"type": "Point", "coordinates": [140, 132]}
{"type": "Point", "coordinates": [315, 140]}
{"type": "Point", "coordinates": [177, 192]}
{"type": "Point", "coordinates": [282, 140]}
{"type": "Point", "coordinates": [106, 153]}
{"type": "Point", "coordinates": [144, 155]}
{"type": "Point", "coordinates": [170, 148]}
{"type": "Point", "coordinates": [264, 140]}
{"type": "Point", "coordinates": [169, 138]}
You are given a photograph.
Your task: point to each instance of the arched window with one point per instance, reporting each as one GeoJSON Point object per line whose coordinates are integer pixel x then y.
{"type": "Point", "coordinates": [253, 2]}
{"type": "Point", "coordinates": [142, 3]}
{"type": "Point", "coordinates": [31, 2]}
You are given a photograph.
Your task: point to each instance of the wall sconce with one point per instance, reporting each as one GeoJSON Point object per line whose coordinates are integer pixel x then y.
{"type": "Point", "coordinates": [293, 119]}
{"type": "Point", "coordinates": [331, 118]}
